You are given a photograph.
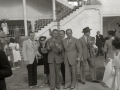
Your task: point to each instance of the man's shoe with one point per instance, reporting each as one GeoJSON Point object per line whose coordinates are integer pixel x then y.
{"type": "Point", "coordinates": [66, 87]}
{"type": "Point", "coordinates": [83, 82]}
{"type": "Point", "coordinates": [31, 87]}
{"type": "Point", "coordinates": [57, 87]}
{"type": "Point", "coordinates": [36, 85]}
{"type": "Point", "coordinates": [95, 81]}
{"type": "Point", "coordinates": [72, 87]}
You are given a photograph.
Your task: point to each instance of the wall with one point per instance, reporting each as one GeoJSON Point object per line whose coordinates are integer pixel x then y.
{"type": "Point", "coordinates": [13, 9]}
{"type": "Point", "coordinates": [111, 23]}
{"type": "Point", "coordinates": [90, 18]}
{"type": "Point", "coordinates": [110, 7]}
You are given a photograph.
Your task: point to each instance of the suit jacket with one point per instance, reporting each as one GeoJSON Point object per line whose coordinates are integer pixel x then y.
{"type": "Point", "coordinates": [5, 69]}
{"type": "Point", "coordinates": [54, 53]}
{"type": "Point", "coordinates": [108, 48]}
{"type": "Point", "coordinates": [30, 51]}
{"type": "Point", "coordinates": [87, 51]}
{"type": "Point", "coordinates": [72, 52]}
{"type": "Point", "coordinates": [99, 40]}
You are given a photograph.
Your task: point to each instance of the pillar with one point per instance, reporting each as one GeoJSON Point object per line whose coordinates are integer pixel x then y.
{"type": "Point", "coordinates": [25, 17]}
{"type": "Point", "coordinates": [54, 10]}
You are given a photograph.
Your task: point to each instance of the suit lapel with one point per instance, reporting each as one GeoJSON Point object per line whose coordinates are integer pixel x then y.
{"type": "Point", "coordinates": [29, 43]}
{"type": "Point", "coordinates": [83, 38]}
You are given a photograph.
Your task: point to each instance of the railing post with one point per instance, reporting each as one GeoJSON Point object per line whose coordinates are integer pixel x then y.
{"type": "Point", "coordinates": [25, 17]}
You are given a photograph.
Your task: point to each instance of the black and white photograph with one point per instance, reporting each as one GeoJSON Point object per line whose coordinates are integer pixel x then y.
{"type": "Point", "coordinates": [59, 44]}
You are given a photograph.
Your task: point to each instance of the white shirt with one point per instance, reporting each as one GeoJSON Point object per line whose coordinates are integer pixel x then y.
{"type": "Point", "coordinates": [85, 38]}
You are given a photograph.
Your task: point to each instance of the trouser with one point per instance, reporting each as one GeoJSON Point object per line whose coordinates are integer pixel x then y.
{"type": "Point", "coordinates": [70, 75]}
{"type": "Point", "coordinates": [54, 75]}
{"type": "Point", "coordinates": [63, 71]}
{"type": "Point", "coordinates": [32, 73]}
{"type": "Point", "coordinates": [99, 51]}
{"type": "Point", "coordinates": [2, 85]}
{"type": "Point", "coordinates": [91, 64]}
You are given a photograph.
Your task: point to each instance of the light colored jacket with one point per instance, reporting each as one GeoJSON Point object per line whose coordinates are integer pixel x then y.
{"type": "Point", "coordinates": [72, 52]}
{"type": "Point", "coordinates": [87, 51]}
{"type": "Point", "coordinates": [30, 51]}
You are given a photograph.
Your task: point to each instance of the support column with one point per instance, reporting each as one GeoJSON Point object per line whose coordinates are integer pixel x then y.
{"type": "Point", "coordinates": [54, 10]}
{"type": "Point", "coordinates": [101, 20]}
{"type": "Point", "coordinates": [25, 17]}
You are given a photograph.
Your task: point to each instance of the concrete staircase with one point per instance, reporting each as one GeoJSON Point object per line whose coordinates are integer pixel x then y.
{"type": "Point", "coordinates": [75, 18]}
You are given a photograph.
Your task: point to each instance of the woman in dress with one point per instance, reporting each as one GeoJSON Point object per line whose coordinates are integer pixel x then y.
{"type": "Point", "coordinates": [18, 53]}
{"type": "Point", "coordinates": [116, 63]}
{"type": "Point", "coordinates": [108, 45]}
{"type": "Point", "coordinates": [5, 27]}
{"type": "Point", "coordinates": [16, 56]}
{"type": "Point", "coordinates": [108, 49]}
{"type": "Point", "coordinates": [43, 51]}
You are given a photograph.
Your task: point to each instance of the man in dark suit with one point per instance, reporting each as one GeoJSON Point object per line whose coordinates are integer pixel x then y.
{"type": "Point", "coordinates": [5, 70]}
{"type": "Point", "coordinates": [62, 36]}
{"type": "Point", "coordinates": [55, 59]}
{"type": "Point", "coordinates": [87, 56]}
{"type": "Point", "coordinates": [72, 51]}
{"type": "Point", "coordinates": [99, 43]}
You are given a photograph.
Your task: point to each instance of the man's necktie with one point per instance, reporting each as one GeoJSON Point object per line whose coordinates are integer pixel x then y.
{"type": "Point", "coordinates": [68, 43]}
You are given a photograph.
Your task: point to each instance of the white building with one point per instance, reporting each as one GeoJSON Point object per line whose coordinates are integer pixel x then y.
{"type": "Point", "coordinates": [99, 15]}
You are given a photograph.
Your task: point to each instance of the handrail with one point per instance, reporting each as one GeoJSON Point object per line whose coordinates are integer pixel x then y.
{"type": "Point", "coordinates": [45, 31]}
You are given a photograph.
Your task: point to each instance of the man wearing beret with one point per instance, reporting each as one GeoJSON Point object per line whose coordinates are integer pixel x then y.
{"type": "Point", "coordinates": [87, 55]}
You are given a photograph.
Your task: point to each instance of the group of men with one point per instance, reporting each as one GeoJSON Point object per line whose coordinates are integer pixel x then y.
{"type": "Point", "coordinates": [63, 54]}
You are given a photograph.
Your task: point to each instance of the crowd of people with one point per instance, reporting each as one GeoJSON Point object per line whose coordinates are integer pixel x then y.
{"type": "Point", "coordinates": [60, 54]}
{"type": "Point", "coordinates": [11, 45]}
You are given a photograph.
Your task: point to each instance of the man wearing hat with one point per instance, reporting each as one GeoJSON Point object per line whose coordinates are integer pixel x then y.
{"type": "Point", "coordinates": [87, 55]}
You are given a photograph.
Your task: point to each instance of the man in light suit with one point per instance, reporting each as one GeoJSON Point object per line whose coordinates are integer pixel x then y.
{"type": "Point", "coordinates": [72, 51]}
{"type": "Point", "coordinates": [87, 55]}
{"type": "Point", "coordinates": [31, 55]}
{"type": "Point", "coordinates": [55, 59]}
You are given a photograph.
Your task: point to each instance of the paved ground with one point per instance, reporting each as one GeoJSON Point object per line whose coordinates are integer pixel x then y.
{"type": "Point", "coordinates": [87, 86]}
{"type": "Point", "coordinates": [18, 81]}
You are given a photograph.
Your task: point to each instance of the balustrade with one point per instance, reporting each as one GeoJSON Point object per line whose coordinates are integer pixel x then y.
{"type": "Point", "coordinates": [12, 28]}
{"type": "Point", "coordinates": [41, 23]}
